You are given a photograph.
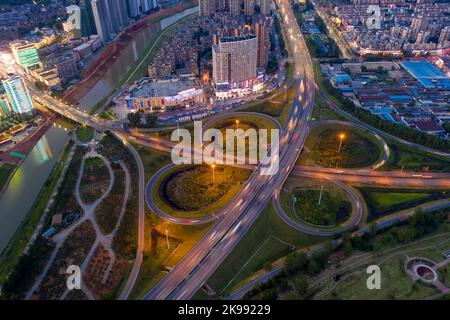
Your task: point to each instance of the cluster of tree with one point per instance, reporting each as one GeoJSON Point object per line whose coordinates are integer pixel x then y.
{"type": "Point", "coordinates": [298, 265]}
{"type": "Point", "coordinates": [272, 64]}
{"type": "Point", "coordinates": [398, 130]}
{"type": "Point", "coordinates": [27, 269]}
{"type": "Point", "coordinates": [420, 225]}
{"type": "Point", "coordinates": [135, 120]}
{"type": "Point", "coordinates": [277, 25]}
{"type": "Point", "coordinates": [323, 50]}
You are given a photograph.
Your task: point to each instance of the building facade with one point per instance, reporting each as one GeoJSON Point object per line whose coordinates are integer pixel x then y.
{"type": "Point", "coordinates": [18, 95]}
{"type": "Point", "coordinates": [207, 7]}
{"type": "Point", "coordinates": [235, 7]}
{"type": "Point", "coordinates": [5, 107]}
{"type": "Point", "coordinates": [25, 54]}
{"type": "Point", "coordinates": [110, 17]}
{"type": "Point", "coordinates": [235, 60]}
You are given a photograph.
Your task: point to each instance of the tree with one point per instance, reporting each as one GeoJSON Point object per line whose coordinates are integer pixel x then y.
{"type": "Point", "coordinates": [313, 268]}
{"type": "Point", "coordinates": [270, 294]}
{"type": "Point", "coordinates": [151, 120]}
{"type": "Point", "coordinates": [134, 118]}
{"type": "Point", "coordinates": [295, 261]}
{"type": "Point", "coordinates": [348, 248]}
{"type": "Point", "coordinates": [301, 283]}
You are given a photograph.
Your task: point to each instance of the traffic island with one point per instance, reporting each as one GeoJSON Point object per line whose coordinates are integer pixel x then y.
{"type": "Point", "coordinates": [194, 194]}
{"type": "Point", "coordinates": [338, 144]}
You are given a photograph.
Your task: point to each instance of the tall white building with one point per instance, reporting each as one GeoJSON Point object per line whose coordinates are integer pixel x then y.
{"type": "Point", "coordinates": [234, 60]}
{"type": "Point", "coordinates": [18, 95]}
{"type": "Point", "coordinates": [138, 7]}
{"type": "Point", "coordinates": [110, 17]}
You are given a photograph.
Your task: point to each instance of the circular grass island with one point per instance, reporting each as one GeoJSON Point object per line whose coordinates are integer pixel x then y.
{"type": "Point", "coordinates": [245, 121]}
{"type": "Point", "coordinates": [195, 191]}
{"type": "Point", "coordinates": [341, 146]}
{"type": "Point", "coordinates": [300, 201]}
{"type": "Point", "coordinates": [332, 210]}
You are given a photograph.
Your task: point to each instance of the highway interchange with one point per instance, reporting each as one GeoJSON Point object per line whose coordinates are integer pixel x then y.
{"type": "Point", "coordinates": [183, 281]}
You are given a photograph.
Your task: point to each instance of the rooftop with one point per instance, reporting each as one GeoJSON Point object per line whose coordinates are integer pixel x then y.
{"type": "Point", "coordinates": [427, 74]}
{"type": "Point", "coordinates": [164, 88]}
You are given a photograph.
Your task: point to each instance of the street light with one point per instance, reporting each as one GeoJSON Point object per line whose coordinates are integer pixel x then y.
{"type": "Point", "coordinates": [237, 124]}
{"type": "Point", "coordinates": [213, 166]}
{"type": "Point", "coordinates": [341, 137]}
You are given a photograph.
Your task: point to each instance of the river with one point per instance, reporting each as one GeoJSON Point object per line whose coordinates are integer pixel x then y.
{"type": "Point", "coordinates": [28, 181]}
{"type": "Point", "coordinates": [29, 178]}
{"type": "Point", "coordinates": [128, 56]}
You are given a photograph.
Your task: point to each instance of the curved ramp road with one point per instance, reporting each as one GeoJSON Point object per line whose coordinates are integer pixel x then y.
{"type": "Point", "coordinates": [380, 132]}
{"type": "Point", "coordinates": [310, 229]}
{"type": "Point", "coordinates": [222, 116]}
{"type": "Point", "coordinates": [196, 267]}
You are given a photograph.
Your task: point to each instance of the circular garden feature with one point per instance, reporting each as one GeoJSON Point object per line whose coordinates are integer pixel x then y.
{"type": "Point", "coordinates": [322, 208]}
{"type": "Point", "coordinates": [425, 273]}
{"type": "Point", "coordinates": [244, 122]}
{"type": "Point", "coordinates": [199, 190]}
{"type": "Point", "coordinates": [341, 146]}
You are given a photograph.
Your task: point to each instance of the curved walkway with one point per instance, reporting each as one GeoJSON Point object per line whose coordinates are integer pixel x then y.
{"type": "Point", "coordinates": [88, 214]}
{"type": "Point", "coordinates": [355, 198]}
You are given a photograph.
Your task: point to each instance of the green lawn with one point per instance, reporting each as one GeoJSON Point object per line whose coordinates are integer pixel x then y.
{"type": "Point", "coordinates": [266, 225]}
{"type": "Point", "coordinates": [333, 210]}
{"type": "Point", "coordinates": [269, 249]}
{"type": "Point", "coordinates": [321, 111]}
{"type": "Point", "coordinates": [181, 238]}
{"type": "Point", "coordinates": [84, 133]}
{"type": "Point", "coordinates": [245, 123]}
{"type": "Point", "coordinates": [277, 104]}
{"type": "Point", "coordinates": [395, 285]}
{"type": "Point", "coordinates": [384, 201]}
{"type": "Point", "coordinates": [358, 150]}
{"type": "Point", "coordinates": [411, 159]}
{"type": "Point", "coordinates": [193, 194]}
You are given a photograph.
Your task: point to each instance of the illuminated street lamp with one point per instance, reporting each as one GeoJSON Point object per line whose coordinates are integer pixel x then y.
{"type": "Point", "coordinates": [237, 124]}
{"type": "Point", "coordinates": [213, 166]}
{"type": "Point", "coordinates": [167, 239]}
{"type": "Point", "coordinates": [341, 138]}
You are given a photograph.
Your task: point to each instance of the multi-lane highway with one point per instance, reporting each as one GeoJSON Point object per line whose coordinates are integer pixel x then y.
{"type": "Point", "coordinates": [196, 267]}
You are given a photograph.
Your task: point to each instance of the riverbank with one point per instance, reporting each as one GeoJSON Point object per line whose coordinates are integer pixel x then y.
{"type": "Point", "coordinates": [108, 57]}
{"type": "Point", "coordinates": [24, 148]}
{"type": "Point", "coordinates": [16, 246]}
